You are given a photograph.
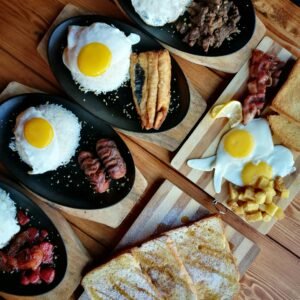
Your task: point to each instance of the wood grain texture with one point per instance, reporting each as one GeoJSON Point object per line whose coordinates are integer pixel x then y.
{"type": "Point", "coordinates": [170, 139]}
{"type": "Point", "coordinates": [204, 140]}
{"type": "Point", "coordinates": [77, 257]}
{"type": "Point", "coordinates": [110, 216]}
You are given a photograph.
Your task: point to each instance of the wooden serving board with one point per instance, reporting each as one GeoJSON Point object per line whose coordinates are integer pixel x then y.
{"type": "Point", "coordinates": [170, 139]}
{"type": "Point", "coordinates": [227, 63]}
{"type": "Point", "coordinates": [77, 256]}
{"type": "Point", "coordinates": [110, 216]}
{"type": "Point", "coordinates": [170, 207]}
{"type": "Point", "coordinates": [204, 140]}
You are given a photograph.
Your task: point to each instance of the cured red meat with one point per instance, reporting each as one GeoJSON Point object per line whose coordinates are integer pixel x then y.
{"type": "Point", "coordinates": [47, 249]}
{"type": "Point", "coordinates": [29, 258]}
{"type": "Point", "coordinates": [264, 70]}
{"type": "Point", "coordinates": [47, 275]}
{"type": "Point", "coordinates": [23, 219]}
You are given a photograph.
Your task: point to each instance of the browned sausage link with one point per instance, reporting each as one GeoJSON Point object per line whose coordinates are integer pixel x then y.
{"type": "Point", "coordinates": [110, 156]}
{"type": "Point", "coordinates": [92, 169]}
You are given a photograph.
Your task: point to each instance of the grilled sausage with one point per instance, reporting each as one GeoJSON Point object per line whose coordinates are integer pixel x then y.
{"type": "Point", "coordinates": [93, 170]}
{"type": "Point", "coordinates": [113, 162]}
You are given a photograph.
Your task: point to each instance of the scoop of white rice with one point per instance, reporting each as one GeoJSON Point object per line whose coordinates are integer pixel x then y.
{"type": "Point", "coordinates": [8, 222]}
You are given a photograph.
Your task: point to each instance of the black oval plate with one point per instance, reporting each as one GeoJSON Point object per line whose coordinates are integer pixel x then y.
{"type": "Point", "coordinates": [10, 282]}
{"type": "Point", "coordinates": [168, 35]}
{"type": "Point", "coordinates": [67, 185]}
{"type": "Point", "coordinates": [116, 107]}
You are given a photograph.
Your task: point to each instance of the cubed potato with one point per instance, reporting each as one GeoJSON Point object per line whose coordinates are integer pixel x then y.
{"type": "Point", "coordinates": [262, 182]}
{"type": "Point", "coordinates": [233, 193]}
{"type": "Point", "coordinates": [250, 206]}
{"type": "Point", "coordinates": [232, 204]}
{"type": "Point", "coordinates": [260, 197]}
{"type": "Point", "coordinates": [262, 207]}
{"type": "Point", "coordinates": [254, 216]}
{"type": "Point", "coordinates": [239, 210]}
{"type": "Point", "coordinates": [271, 184]}
{"type": "Point", "coordinates": [271, 209]}
{"type": "Point", "coordinates": [279, 215]}
{"type": "Point", "coordinates": [279, 184]}
{"type": "Point", "coordinates": [249, 193]}
{"type": "Point", "coordinates": [266, 217]}
{"type": "Point", "coordinates": [270, 193]}
{"type": "Point", "coordinates": [284, 194]}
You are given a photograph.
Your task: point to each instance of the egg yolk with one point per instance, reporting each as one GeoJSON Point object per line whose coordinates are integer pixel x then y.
{"type": "Point", "coordinates": [94, 59]}
{"type": "Point", "coordinates": [252, 172]}
{"type": "Point", "coordinates": [238, 143]}
{"type": "Point", "coordinates": [38, 132]}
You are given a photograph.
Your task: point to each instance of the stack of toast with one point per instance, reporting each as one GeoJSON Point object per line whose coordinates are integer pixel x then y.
{"type": "Point", "coordinates": [150, 76]}
{"type": "Point", "coordinates": [191, 262]}
{"type": "Point", "coordinates": [286, 125]}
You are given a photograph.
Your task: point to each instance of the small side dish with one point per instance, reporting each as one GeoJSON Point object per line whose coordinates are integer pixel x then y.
{"type": "Point", "coordinates": [150, 74]}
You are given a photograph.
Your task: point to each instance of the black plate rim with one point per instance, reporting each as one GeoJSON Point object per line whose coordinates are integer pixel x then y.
{"type": "Point", "coordinates": [39, 194]}
{"type": "Point", "coordinates": [108, 19]}
{"type": "Point", "coordinates": [189, 51]}
{"type": "Point", "coordinates": [14, 186]}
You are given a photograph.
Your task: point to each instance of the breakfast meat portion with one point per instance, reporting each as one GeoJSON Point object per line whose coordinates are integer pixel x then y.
{"type": "Point", "coordinates": [190, 262]}
{"type": "Point", "coordinates": [150, 74]}
{"type": "Point", "coordinates": [264, 72]}
{"type": "Point", "coordinates": [92, 168]}
{"type": "Point", "coordinates": [210, 23]}
{"type": "Point", "coordinates": [113, 162]}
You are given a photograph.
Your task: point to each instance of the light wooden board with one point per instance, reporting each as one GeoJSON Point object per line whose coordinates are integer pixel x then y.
{"type": "Point", "coordinates": [227, 63]}
{"type": "Point", "coordinates": [170, 139]}
{"type": "Point", "coordinates": [170, 207]}
{"type": "Point", "coordinates": [110, 216]}
{"type": "Point", "coordinates": [77, 256]}
{"type": "Point", "coordinates": [205, 138]}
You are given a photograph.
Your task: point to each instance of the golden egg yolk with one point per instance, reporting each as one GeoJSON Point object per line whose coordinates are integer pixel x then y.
{"type": "Point", "coordinates": [38, 132]}
{"type": "Point", "coordinates": [238, 143]}
{"type": "Point", "coordinates": [252, 172]}
{"type": "Point", "coordinates": [94, 59]}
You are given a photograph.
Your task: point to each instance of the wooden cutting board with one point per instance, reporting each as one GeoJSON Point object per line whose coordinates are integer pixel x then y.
{"type": "Point", "coordinates": [110, 216]}
{"type": "Point", "coordinates": [227, 63]}
{"type": "Point", "coordinates": [170, 139]}
{"type": "Point", "coordinates": [205, 138]}
{"type": "Point", "coordinates": [77, 256]}
{"type": "Point", "coordinates": [170, 207]}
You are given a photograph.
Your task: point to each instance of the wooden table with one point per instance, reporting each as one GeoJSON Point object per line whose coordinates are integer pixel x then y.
{"type": "Point", "coordinates": [276, 272]}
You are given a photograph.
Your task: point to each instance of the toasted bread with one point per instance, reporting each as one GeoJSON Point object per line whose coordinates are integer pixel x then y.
{"type": "Point", "coordinates": [287, 100]}
{"type": "Point", "coordinates": [206, 255]}
{"type": "Point", "coordinates": [288, 132]}
{"type": "Point", "coordinates": [166, 270]}
{"type": "Point", "coordinates": [121, 278]}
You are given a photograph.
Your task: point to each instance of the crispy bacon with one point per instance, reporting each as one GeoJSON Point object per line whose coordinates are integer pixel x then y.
{"type": "Point", "coordinates": [264, 70]}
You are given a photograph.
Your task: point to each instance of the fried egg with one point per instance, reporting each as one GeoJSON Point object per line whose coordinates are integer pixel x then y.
{"type": "Point", "coordinates": [46, 137]}
{"type": "Point", "coordinates": [159, 13]}
{"type": "Point", "coordinates": [98, 56]}
{"type": "Point", "coordinates": [244, 154]}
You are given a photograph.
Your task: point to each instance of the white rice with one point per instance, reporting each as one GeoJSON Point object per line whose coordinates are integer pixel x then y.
{"type": "Point", "coordinates": [8, 222]}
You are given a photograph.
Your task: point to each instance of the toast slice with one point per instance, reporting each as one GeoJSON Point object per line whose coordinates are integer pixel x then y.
{"type": "Point", "coordinates": [288, 132]}
{"type": "Point", "coordinates": [287, 100]}
{"type": "Point", "coordinates": [206, 255]}
{"type": "Point", "coordinates": [158, 260]}
{"type": "Point", "coordinates": [120, 278]}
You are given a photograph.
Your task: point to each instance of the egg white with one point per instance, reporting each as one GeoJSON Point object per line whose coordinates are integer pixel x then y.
{"type": "Point", "coordinates": [63, 145]}
{"type": "Point", "coordinates": [119, 45]}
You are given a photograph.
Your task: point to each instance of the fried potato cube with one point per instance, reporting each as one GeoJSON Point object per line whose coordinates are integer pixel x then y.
{"type": "Point", "coordinates": [260, 197]}
{"type": "Point", "coordinates": [270, 193]}
{"type": "Point", "coordinates": [250, 206]}
{"type": "Point", "coordinates": [279, 184]}
{"type": "Point", "coordinates": [249, 193]}
{"type": "Point", "coordinates": [279, 215]}
{"type": "Point", "coordinates": [254, 216]}
{"type": "Point", "coordinates": [262, 182]}
{"type": "Point", "coordinates": [262, 207]}
{"type": "Point", "coordinates": [266, 217]}
{"type": "Point", "coordinates": [241, 197]}
{"type": "Point", "coordinates": [271, 184]}
{"type": "Point", "coordinates": [233, 193]}
{"type": "Point", "coordinates": [232, 204]}
{"type": "Point", "coordinates": [271, 209]}
{"type": "Point", "coordinates": [239, 210]}
{"type": "Point", "coordinates": [284, 194]}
